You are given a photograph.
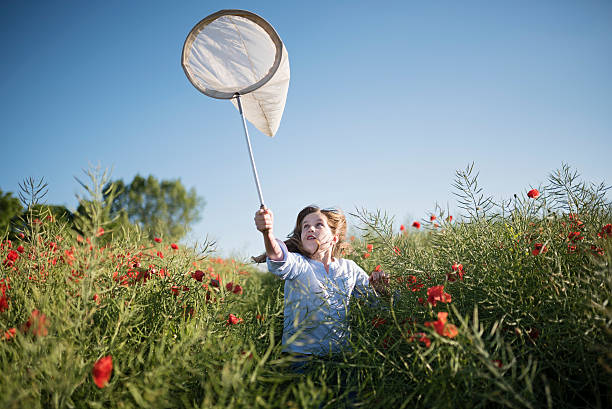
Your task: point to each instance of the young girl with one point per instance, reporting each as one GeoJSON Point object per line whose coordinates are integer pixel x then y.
{"type": "Point", "coordinates": [318, 284]}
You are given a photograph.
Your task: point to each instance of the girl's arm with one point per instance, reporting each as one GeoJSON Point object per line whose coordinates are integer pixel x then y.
{"type": "Point", "coordinates": [264, 221]}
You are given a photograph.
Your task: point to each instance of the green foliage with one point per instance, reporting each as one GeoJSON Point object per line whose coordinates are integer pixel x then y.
{"type": "Point", "coordinates": [9, 209]}
{"type": "Point", "coordinates": [525, 328]}
{"type": "Point", "coordinates": [163, 208]}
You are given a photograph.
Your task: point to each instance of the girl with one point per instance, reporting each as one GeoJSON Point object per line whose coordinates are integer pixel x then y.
{"type": "Point", "coordinates": [318, 284]}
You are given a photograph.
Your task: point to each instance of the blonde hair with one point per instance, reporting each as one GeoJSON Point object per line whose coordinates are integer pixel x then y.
{"type": "Point", "coordinates": [336, 222]}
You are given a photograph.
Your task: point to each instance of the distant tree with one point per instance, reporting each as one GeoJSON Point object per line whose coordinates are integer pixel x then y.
{"type": "Point", "coordinates": [158, 208]}
{"type": "Point", "coordinates": [10, 207]}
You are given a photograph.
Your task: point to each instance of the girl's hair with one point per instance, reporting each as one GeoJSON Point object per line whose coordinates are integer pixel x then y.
{"type": "Point", "coordinates": [336, 222]}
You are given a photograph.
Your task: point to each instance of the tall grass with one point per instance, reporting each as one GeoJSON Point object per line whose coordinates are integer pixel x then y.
{"type": "Point", "coordinates": [529, 298]}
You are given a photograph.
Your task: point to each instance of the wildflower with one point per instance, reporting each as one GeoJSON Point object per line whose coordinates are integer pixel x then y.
{"type": "Point", "coordinates": [538, 248]}
{"type": "Point", "coordinates": [377, 322]}
{"type": "Point", "coordinates": [102, 370]}
{"type": "Point", "coordinates": [79, 238]}
{"type": "Point", "coordinates": [53, 246]}
{"type": "Point", "coordinates": [197, 275]}
{"type": "Point", "coordinates": [237, 289]}
{"type": "Point", "coordinates": [20, 249]}
{"type": "Point", "coordinates": [397, 250]}
{"type": "Point", "coordinates": [9, 333]}
{"type": "Point", "coordinates": [233, 320]}
{"type": "Point", "coordinates": [575, 235]}
{"type": "Point", "coordinates": [378, 268]}
{"type": "Point", "coordinates": [352, 238]}
{"type": "Point", "coordinates": [100, 232]}
{"type": "Point", "coordinates": [366, 255]}
{"type": "Point", "coordinates": [174, 246]}
{"type": "Point", "coordinates": [157, 239]}
{"type": "Point", "coordinates": [422, 337]}
{"type": "Point", "coordinates": [432, 217]}
{"type": "Point", "coordinates": [160, 254]}
{"type": "Point", "coordinates": [459, 273]}
{"type": "Point", "coordinates": [215, 280]}
{"type": "Point", "coordinates": [12, 255]}
{"type": "Point", "coordinates": [370, 247]}
{"type": "Point", "coordinates": [37, 324]}
{"type": "Point", "coordinates": [533, 193]}
{"type": "Point", "coordinates": [402, 228]}
{"type": "Point", "coordinates": [416, 225]}
{"type": "Point", "coordinates": [436, 293]}
{"type": "Point", "coordinates": [449, 218]}
{"type": "Point", "coordinates": [3, 303]}
{"type": "Point", "coordinates": [96, 298]}
{"type": "Point", "coordinates": [259, 317]}
{"type": "Point", "coordinates": [441, 327]}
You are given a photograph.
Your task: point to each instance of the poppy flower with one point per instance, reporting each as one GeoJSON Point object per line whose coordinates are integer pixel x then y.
{"type": "Point", "coordinates": [12, 255]}
{"type": "Point", "coordinates": [436, 293]}
{"type": "Point", "coordinates": [416, 225]}
{"type": "Point", "coordinates": [233, 320]}
{"type": "Point", "coordinates": [102, 370]}
{"type": "Point", "coordinates": [197, 275]}
{"type": "Point", "coordinates": [538, 248]}
{"type": "Point", "coordinates": [100, 232]}
{"type": "Point", "coordinates": [9, 333]}
{"type": "Point", "coordinates": [370, 247]}
{"type": "Point", "coordinates": [432, 217]}
{"type": "Point", "coordinates": [215, 280]}
{"type": "Point", "coordinates": [174, 246]}
{"type": "Point", "coordinates": [449, 218]}
{"type": "Point", "coordinates": [533, 193]}
{"type": "Point", "coordinates": [237, 289]}
{"type": "Point", "coordinates": [366, 255]}
{"type": "Point", "coordinates": [157, 239]}
{"type": "Point", "coordinates": [3, 303]}
{"type": "Point", "coordinates": [20, 249]}
{"type": "Point", "coordinates": [37, 324]}
{"type": "Point", "coordinates": [402, 228]}
{"type": "Point", "coordinates": [378, 268]}
{"type": "Point", "coordinates": [422, 337]}
{"type": "Point", "coordinates": [160, 254]}
{"type": "Point", "coordinates": [442, 327]}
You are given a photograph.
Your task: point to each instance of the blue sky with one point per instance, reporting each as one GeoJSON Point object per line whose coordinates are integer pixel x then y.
{"type": "Point", "coordinates": [386, 101]}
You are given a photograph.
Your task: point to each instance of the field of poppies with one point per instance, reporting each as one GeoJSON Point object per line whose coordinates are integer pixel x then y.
{"type": "Point", "coordinates": [504, 304]}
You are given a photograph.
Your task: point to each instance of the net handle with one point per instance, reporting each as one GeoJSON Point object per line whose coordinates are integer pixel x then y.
{"type": "Point", "coordinates": [248, 141]}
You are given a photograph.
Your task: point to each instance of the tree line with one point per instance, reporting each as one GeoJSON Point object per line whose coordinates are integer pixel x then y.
{"type": "Point", "coordinates": [157, 208]}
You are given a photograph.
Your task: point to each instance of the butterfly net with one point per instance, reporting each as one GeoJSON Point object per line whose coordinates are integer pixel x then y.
{"type": "Point", "coordinates": [237, 52]}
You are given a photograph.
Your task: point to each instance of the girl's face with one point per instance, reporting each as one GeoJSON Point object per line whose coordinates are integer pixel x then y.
{"type": "Point", "coordinates": [315, 228]}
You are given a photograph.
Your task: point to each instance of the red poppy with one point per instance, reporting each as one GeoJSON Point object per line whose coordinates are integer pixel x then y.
{"type": "Point", "coordinates": [366, 255]}
{"type": "Point", "coordinates": [20, 249]}
{"type": "Point", "coordinates": [436, 293]}
{"type": "Point", "coordinates": [12, 255]}
{"type": "Point", "coordinates": [237, 289]}
{"type": "Point", "coordinates": [102, 370]}
{"type": "Point", "coordinates": [215, 280]}
{"type": "Point", "coordinates": [100, 232]}
{"type": "Point", "coordinates": [378, 268]}
{"type": "Point", "coordinates": [422, 337]}
{"type": "Point", "coordinates": [441, 327]}
{"type": "Point", "coordinates": [160, 254]}
{"type": "Point", "coordinates": [174, 246]}
{"type": "Point", "coordinates": [233, 320]}
{"type": "Point", "coordinates": [96, 298]}
{"type": "Point", "coordinates": [432, 217]}
{"type": "Point", "coordinates": [449, 218]}
{"type": "Point", "coordinates": [3, 303]}
{"type": "Point", "coordinates": [9, 333]}
{"type": "Point", "coordinates": [197, 275]}
{"type": "Point", "coordinates": [370, 247]}
{"type": "Point", "coordinates": [157, 239]}
{"type": "Point", "coordinates": [533, 193]}
{"type": "Point", "coordinates": [538, 248]}
{"type": "Point", "coordinates": [37, 324]}
{"type": "Point", "coordinates": [416, 225]}
{"type": "Point", "coordinates": [377, 322]}
{"type": "Point", "coordinates": [402, 228]}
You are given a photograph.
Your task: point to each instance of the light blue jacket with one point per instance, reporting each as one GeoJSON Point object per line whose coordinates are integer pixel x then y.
{"type": "Point", "coordinates": [317, 302]}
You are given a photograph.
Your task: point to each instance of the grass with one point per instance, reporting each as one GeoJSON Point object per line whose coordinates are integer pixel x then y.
{"type": "Point", "coordinates": [531, 311]}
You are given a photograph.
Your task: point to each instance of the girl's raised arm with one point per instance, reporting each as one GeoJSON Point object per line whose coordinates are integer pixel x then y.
{"type": "Point", "coordinates": [264, 221]}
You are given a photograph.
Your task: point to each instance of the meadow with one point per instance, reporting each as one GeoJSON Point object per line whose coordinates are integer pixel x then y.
{"type": "Point", "coordinates": [505, 304]}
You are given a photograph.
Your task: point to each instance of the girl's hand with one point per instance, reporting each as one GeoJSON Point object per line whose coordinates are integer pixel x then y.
{"type": "Point", "coordinates": [264, 220]}
{"type": "Point", "coordinates": [379, 280]}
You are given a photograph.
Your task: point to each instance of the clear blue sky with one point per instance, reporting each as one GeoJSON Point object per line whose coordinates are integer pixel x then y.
{"type": "Point", "coordinates": [386, 101]}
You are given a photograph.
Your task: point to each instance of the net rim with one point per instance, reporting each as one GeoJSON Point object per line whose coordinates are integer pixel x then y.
{"type": "Point", "coordinates": [233, 12]}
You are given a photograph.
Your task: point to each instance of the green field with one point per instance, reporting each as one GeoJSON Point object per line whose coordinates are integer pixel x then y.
{"type": "Point", "coordinates": [527, 285]}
